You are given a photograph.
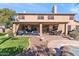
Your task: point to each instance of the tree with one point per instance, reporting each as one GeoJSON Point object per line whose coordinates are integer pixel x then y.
{"type": "Point", "coordinates": [6, 15]}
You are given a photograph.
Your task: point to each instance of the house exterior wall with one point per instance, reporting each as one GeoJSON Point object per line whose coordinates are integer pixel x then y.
{"type": "Point", "coordinates": [73, 24]}
{"type": "Point", "coordinates": [1, 31]}
{"type": "Point", "coordinates": [57, 19]}
{"type": "Point", "coordinates": [61, 27]}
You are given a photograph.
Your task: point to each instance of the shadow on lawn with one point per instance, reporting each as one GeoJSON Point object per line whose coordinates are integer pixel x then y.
{"type": "Point", "coordinates": [10, 51]}
{"type": "Point", "coordinates": [4, 39]}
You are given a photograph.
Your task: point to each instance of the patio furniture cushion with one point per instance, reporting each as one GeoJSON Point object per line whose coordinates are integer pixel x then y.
{"type": "Point", "coordinates": [35, 33]}
{"type": "Point", "coordinates": [20, 32]}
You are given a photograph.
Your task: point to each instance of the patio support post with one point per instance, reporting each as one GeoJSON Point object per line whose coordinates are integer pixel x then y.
{"type": "Point", "coordinates": [40, 29]}
{"type": "Point", "coordinates": [14, 29]}
{"type": "Point", "coordinates": [17, 26]}
{"type": "Point", "coordinates": [66, 29]}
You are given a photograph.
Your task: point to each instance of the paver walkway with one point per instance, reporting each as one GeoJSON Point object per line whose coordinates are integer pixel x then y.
{"type": "Point", "coordinates": [53, 41]}
{"type": "Point", "coordinates": [35, 41]}
{"type": "Point", "coordinates": [52, 37]}
{"type": "Point", "coordinates": [58, 41]}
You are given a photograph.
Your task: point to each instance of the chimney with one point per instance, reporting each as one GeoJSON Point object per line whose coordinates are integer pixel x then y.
{"type": "Point", "coordinates": [54, 9]}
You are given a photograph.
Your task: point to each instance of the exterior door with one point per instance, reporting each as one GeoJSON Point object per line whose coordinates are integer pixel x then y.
{"type": "Point", "coordinates": [69, 27]}
{"type": "Point", "coordinates": [45, 29]}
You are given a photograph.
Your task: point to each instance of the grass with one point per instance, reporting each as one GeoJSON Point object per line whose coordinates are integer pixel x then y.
{"type": "Point", "coordinates": [1, 34]}
{"type": "Point", "coordinates": [3, 39]}
{"type": "Point", "coordinates": [13, 46]}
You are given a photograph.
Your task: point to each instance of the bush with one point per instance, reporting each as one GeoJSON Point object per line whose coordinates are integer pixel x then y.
{"type": "Point", "coordinates": [11, 51]}
{"type": "Point", "coordinates": [66, 51]}
{"type": "Point", "coordinates": [74, 34]}
{"type": "Point", "coordinates": [77, 38]}
{"type": "Point", "coordinates": [13, 47]}
{"type": "Point", "coordinates": [10, 33]}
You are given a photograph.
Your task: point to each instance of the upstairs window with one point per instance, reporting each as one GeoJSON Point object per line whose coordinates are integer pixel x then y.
{"type": "Point", "coordinates": [71, 18]}
{"type": "Point", "coordinates": [50, 17]}
{"type": "Point", "coordinates": [40, 17]}
{"type": "Point", "coordinates": [21, 17]}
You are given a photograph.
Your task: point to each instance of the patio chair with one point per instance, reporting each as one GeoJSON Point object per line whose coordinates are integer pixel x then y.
{"type": "Point", "coordinates": [26, 32]}
{"type": "Point", "coordinates": [54, 32]}
{"type": "Point", "coordinates": [51, 33]}
{"type": "Point", "coordinates": [35, 33]}
{"type": "Point", "coordinates": [59, 32]}
{"type": "Point", "coordinates": [20, 32]}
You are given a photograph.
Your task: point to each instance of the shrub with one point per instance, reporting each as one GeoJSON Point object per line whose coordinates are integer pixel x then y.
{"type": "Point", "coordinates": [10, 33]}
{"type": "Point", "coordinates": [66, 51]}
{"type": "Point", "coordinates": [13, 47]}
{"type": "Point", "coordinates": [11, 51]}
{"type": "Point", "coordinates": [77, 38]}
{"type": "Point", "coordinates": [74, 34]}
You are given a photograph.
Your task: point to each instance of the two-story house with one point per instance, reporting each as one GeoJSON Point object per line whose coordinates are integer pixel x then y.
{"type": "Point", "coordinates": [43, 23]}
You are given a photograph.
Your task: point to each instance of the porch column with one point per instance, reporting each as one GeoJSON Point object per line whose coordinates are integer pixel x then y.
{"type": "Point", "coordinates": [17, 26]}
{"type": "Point", "coordinates": [66, 29]}
{"type": "Point", "coordinates": [40, 29]}
{"type": "Point", "coordinates": [14, 29]}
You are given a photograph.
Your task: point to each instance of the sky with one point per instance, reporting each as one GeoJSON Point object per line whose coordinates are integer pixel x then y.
{"type": "Point", "coordinates": [43, 7]}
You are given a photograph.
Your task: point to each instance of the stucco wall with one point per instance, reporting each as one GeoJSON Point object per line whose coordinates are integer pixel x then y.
{"type": "Point", "coordinates": [73, 24]}
{"type": "Point", "coordinates": [57, 18]}
{"type": "Point", "coordinates": [60, 18]}
{"type": "Point", "coordinates": [61, 27]}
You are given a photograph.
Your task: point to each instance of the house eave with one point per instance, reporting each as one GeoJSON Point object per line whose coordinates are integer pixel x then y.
{"type": "Point", "coordinates": [46, 13]}
{"type": "Point", "coordinates": [63, 22]}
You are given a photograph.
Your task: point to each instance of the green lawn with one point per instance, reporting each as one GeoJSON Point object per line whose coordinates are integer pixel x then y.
{"type": "Point", "coordinates": [13, 46]}
{"type": "Point", "coordinates": [3, 39]}
{"type": "Point", "coordinates": [2, 34]}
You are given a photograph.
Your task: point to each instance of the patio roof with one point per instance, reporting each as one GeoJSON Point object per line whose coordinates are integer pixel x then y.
{"type": "Point", "coordinates": [30, 13]}
{"type": "Point", "coordinates": [63, 22]}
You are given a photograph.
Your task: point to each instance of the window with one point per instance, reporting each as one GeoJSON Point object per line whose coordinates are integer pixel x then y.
{"type": "Point", "coordinates": [71, 17]}
{"type": "Point", "coordinates": [40, 17]}
{"type": "Point", "coordinates": [21, 17]}
{"type": "Point", "coordinates": [50, 17]}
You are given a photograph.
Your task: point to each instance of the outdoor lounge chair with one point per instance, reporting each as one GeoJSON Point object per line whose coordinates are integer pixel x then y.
{"type": "Point", "coordinates": [35, 33]}
{"type": "Point", "coordinates": [20, 32]}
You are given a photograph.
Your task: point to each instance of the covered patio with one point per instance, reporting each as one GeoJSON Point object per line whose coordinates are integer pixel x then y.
{"type": "Point", "coordinates": [38, 28]}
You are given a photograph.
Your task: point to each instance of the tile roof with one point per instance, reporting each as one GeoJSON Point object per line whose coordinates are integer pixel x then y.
{"type": "Point", "coordinates": [30, 13]}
